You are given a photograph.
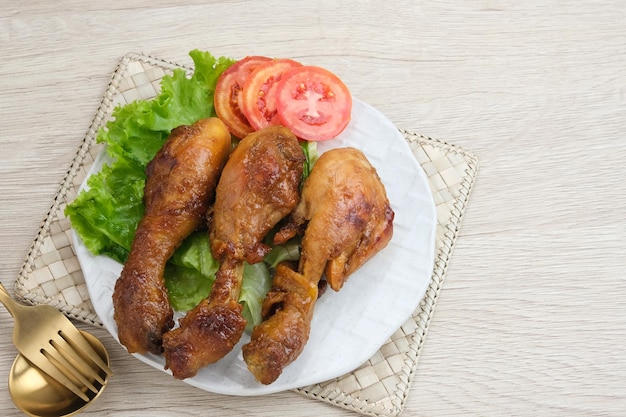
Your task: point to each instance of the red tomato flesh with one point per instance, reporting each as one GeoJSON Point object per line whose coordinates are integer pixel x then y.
{"type": "Point", "coordinates": [259, 92]}
{"type": "Point", "coordinates": [314, 103]}
{"type": "Point", "coordinates": [229, 94]}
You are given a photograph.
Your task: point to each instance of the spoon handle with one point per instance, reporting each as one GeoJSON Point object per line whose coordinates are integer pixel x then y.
{"type": "Point", "coordinates": [6, 299]}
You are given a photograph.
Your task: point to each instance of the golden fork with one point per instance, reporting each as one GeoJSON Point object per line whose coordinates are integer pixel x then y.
{"type": "Point", "coordinates": [49, 340]}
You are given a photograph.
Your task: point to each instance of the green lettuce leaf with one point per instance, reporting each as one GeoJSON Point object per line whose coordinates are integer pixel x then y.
{"type": "Point", "coordinates": [195, 253]}
{"type": "Point", "coordinates": [311, 155]}
{"type": "Point", "coordinates": [256, 283]}
{"type": "Point", "coordinates": [106, 215]}
{"type": "Point", "coordinates": [289, 251]}
{"type": "Point", "coordinates": [190, 272]}
{"type": "Point", "coordinates": [186, 287]}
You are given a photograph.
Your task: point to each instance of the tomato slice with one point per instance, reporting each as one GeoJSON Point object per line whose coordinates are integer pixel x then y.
{"type": "Point", "coordinates": [259, 92]}
{"type": "Point", "coordinates": [229, 95]}
{"type": "Point", "coordinates": [314, 103]}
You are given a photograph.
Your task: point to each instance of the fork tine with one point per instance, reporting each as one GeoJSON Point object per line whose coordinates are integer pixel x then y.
{"type": "Point", "coordinates": [51, 370]}
{"type": "Point", "coordinates": [73, 363]}
{"type": "Point", "coordinates": [78, 342]}
{"type": "Point", "coordinates": [61, 363]}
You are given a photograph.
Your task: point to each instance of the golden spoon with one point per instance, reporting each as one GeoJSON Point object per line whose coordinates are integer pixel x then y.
{"type": "Point", "coordinates": [38, 395]}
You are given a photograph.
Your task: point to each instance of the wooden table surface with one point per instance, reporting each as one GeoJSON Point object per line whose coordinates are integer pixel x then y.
{"type": "Point", "coordinates": [532, 317]}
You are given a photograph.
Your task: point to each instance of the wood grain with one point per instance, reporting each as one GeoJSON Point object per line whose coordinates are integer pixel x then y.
{"type": "Point", "coordinates": [531, 319]}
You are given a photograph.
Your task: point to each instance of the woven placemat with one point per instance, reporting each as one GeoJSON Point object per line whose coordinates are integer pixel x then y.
{"type": "Point", "coordinates": [51, 273]}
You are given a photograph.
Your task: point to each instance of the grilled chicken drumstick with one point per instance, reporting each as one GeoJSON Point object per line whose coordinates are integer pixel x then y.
{"type": "Point", "coordinates": [348, 220]}
{"type": "Point", "coordinates": [180, 185]}
{"type": "Point", "coordinates": [258, 187]}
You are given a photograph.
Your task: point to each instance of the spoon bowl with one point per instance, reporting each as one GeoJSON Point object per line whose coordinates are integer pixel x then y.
{"type": "Point", "coordinates": [38, 395]}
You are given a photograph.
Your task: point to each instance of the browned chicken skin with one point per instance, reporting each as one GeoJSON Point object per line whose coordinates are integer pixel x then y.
{"type": "Point", "coordinates": [259, 187]}
{"type": "Point", "coordinates": [349, 221]}
{"type": "Point", "coordinates": [180, 185]}
{"type": "Point", "coordinates": [348, 213]}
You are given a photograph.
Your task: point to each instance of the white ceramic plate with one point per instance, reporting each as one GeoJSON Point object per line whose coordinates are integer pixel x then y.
{"type": "Point", "coordinates": [348, 326]}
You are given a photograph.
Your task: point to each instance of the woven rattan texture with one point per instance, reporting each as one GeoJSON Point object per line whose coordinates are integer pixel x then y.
{"type": "Point", "coordinates": [51, 273]}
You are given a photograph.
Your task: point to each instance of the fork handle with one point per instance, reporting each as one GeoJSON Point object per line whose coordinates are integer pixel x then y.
{"type": "Point", "coordinates": [8, 301]}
